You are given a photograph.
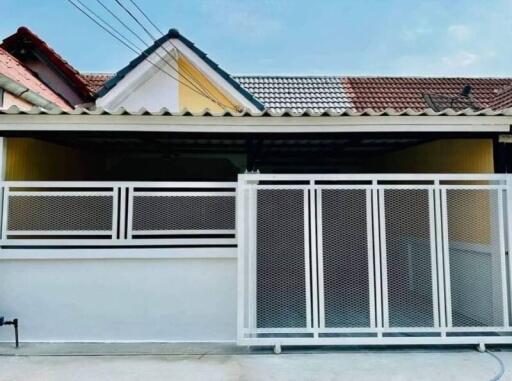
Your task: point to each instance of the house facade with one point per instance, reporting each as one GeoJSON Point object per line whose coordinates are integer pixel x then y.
{"type": "Point", "coordinates": [172, 201]}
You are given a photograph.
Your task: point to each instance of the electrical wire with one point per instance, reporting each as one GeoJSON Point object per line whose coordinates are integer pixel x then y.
{"type": "Point", "coordinates": [108, 24]}
{"type": "Point", "coordinates": [127, 45]}
{"type": "Point", "coordinates": [103, 27]}
{"type": "Point", "coordinates": [132, 15]}
{"type": "Point", "coordinates": [502, 367]}
{"type": "Point", "coordinates": [198, 88]}
{"type": "Point", "coordinates": [187, 73]}
{"type": "Point", "coordinates": [146, 17]}
{"type": "Point", "coordinates": [122, 22]}
{"type": "Point", "coordinates": [127, 27]}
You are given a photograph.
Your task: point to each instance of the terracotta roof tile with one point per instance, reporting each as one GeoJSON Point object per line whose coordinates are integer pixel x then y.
{"type": "Point", "coordinates": [503, 98]}
{"type": "Point", "coordinates": [408, 92]}
{"type": "Point", "coordinates": [95, 81]}
{"type": "Point", "coordinates": [16, 71]}
{"type": "Point", "coordinates": [23, 33]}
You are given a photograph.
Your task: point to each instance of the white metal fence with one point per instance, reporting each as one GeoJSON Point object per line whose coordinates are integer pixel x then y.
{"type": "Point", "coordinates": [117, 213]}
{"type": "Point", "coordinates": [374, 259]}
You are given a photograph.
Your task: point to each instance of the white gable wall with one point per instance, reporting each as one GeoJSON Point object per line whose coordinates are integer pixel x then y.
{"type": "Point", "coordinates": [150, 87]}
{"type": "Point", "coordinates": [145, 86]}
{"type": "Point", "coordinates": [159, 90]}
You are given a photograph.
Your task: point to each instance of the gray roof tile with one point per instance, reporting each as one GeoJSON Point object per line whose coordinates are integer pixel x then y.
{"type": "Point", "coordinates": [297, 93]}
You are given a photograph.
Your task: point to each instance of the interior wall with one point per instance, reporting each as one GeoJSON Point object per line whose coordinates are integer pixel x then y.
{"type": "Point", "coordinates": [37, 160]}
{"type": "Point", "coordinates": [452, 156]}
{"type": "Point", "coordinates": [442, 156]}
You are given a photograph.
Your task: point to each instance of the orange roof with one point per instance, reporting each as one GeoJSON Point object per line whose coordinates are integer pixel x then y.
{"type": "Point", "coordinates": [16, 71]}
{"type": "Point", "coordinates": [95, 81]}
{"type": "Point", "coordinates": [24, 36]}
{"type": "Point", "coordinates": [503, 98]}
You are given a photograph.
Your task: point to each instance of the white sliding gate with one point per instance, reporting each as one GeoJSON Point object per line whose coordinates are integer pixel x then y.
{"type": "Point", "coordinates": [374, 259]}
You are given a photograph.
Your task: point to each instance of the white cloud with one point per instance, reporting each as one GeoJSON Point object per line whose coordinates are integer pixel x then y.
{"type": "Point", "coordinates": [460, 59]}
{"type": "Point", "coordinates": [459, 32]}
{"type": "Point", "coordinates": [411, 34]}
{"type": "Point", "coordinates": [245, 18]}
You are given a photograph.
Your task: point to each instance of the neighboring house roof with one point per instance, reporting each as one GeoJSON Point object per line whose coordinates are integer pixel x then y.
{"type": "Point", "coordinates": [95, 81]}
{"type": "Point", "coordinates": [174, 34]}
{"type": "Point", "coordinates": [503, 98]}
{"type": "Point", "coordinates": [17, 72]}
{"type": "Point", "coordinates": [25, 37]}
{"type": "Point", "coordinates": [360, 93]}
{"type": "Point", "coordinates": [300, 93]}
{"type": "Point", "coordinates": [408, 92]}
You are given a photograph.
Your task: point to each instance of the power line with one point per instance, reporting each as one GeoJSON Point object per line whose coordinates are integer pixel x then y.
{"type": "Point", "coordinates": [146, 17]}
{"type": "Point", "coordinates": [103, 27]}
{"type": "Point", "coordinates": [186, 76]}
{"type": "Point", "coordinates": [147, 45]}
{"type": "Point", "coordinates": [163, 46]}
{"type": "Point", "coordinates": [136, 19]}
{"type": "Point", "coordinates": [107, 23]}
{"type": "Point", "coordinates": [122, 22]}
{"type": "Point", "coordinates": [144, 14]}
{"type": "Point", "coordinates": [127, 45]}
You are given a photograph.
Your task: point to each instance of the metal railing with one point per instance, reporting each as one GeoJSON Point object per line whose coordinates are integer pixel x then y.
{"type": "Point", "coordinates": [54, 213]}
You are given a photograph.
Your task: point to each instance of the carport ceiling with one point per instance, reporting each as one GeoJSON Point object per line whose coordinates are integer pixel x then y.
{"type": "Point", "coordinates": [254, 145]}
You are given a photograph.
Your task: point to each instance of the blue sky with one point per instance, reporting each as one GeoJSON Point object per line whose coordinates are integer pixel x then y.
{"type": "Point", "coordinates": [324, 37]}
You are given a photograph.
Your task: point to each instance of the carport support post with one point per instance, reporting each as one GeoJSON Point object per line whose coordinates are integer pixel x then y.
{"type": "Point", "coordinates": [3, 162]}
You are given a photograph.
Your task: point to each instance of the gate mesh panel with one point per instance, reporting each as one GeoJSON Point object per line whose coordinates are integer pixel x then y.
{"type": "Point", "coordinates": [46, 213]}
{"type": "Point", "coordinates": [474, 256]}
{"type": "Point", "coordinates": [280, 261]}
{"type": "Point", "coordinates": [183, 213]}
{"type": "Point", "coordinates": [345, 258]}
{"type": "Point", "coordinates": [408, 250]}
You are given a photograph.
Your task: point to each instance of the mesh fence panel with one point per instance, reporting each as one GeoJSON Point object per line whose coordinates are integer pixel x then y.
{"type": "Point", "coordinates": [59, 213]}
{"type": "Point", "coordinates": [474, 258]}
{"type": "Point", "coordinates": [183, 213]}
{"type": "Point", "coordinates": [408, 252]}
{"type": "Point", "coordinates": [345, 258]}
{"type": "Point", "coordinates": [280, 261]}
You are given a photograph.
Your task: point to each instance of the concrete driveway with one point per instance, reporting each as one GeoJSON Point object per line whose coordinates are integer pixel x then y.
{"type": "Point", "coordinates": [132, 362]}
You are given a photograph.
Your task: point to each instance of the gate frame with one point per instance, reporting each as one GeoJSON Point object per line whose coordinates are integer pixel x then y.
{"type": "Point", "coordinates": [443, 334]}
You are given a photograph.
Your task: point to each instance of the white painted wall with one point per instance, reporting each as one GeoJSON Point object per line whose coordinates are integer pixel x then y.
{"type": "Point", "coordinates": [127, 299]}
{"type": "Point", "coordinates": [157, 90]}
{"type": "Point", "coordinates": [150, 88]}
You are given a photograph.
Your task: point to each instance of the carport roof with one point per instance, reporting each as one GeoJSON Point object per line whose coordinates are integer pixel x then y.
{"type": "Point", "coordinates": [13, 110]}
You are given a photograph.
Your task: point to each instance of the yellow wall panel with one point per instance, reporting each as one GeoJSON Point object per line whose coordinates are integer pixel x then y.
{"type": "Point", "coordinates": [38, 160]}
{"type": "Point", "coordinates": [453, 156]}
{"type": "Point", "coordinates": [443, 156]}
{"type": "Point", "coordinates": [193, 101]}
